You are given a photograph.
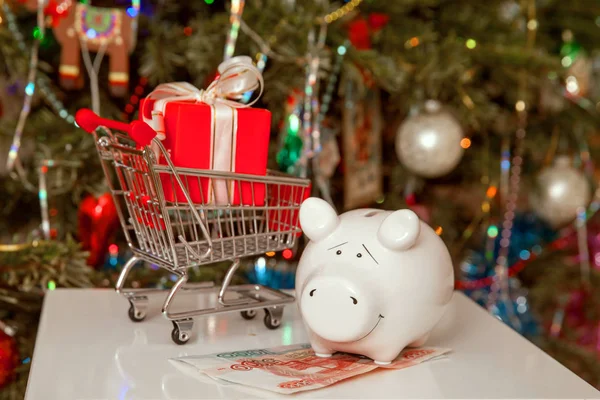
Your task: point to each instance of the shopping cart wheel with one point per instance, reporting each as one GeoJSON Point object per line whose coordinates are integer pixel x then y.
{"type": "Point", "coordinates": [177, 336]}
{"type": "Point", "coordinates": [181, 332]}
{"type": "Point", "coordinates": [273, 317]}
{"type": "Point", "coordinates": [248, 314]}
{"type": "Point", "coordinates": [136, 313]}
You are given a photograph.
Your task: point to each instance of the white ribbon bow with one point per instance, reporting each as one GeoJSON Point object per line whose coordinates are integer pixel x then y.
{"type": "Point", "coordinates": [237, 76]}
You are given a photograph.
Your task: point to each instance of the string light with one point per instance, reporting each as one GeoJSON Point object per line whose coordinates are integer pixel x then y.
{"type": "Point", "coordinates": [333, 77]}
{"type": "Point", "coordinates": [270, 253]}
{"type": "Point", "coordinates": [31, 77]}
{"type": "Point", "coordinates": [113, 251]}
{"type": "Point", "coordinates": [342, 11]}
{"type": "Point", "coordinates": [500, 288]}
{"type": "Point", "coordinates": [566, 61]}
{"type": "Point", "coordinates": [237, 8]}
{"type": "Point", "coordinates": [532, 24]}
{"type": "Point", "coordinates": [485, 206]}
{"type": "Point", "coordinates": [471, 44]}
{"type": "Point", "coordinates": [42, 83]}
{"type": "Point", "coordinates": [43, 198]}
{"type": "Point", "coordinates": [412, 42]}
{"type": "Point", "coordinates": [572, 85]}
{"type": "Point", "coordinates": [310, 116]}
{"type": "Point", "coordinates": [287, 254]}
{"type": "Point", "coordinates": [465, 143]}
{"type": "Point", "coordinates": [139, 91]}
{"type": "Point", "coordinates": [520, 106]}
{"type": "Point", "coordinates": [439, 230]}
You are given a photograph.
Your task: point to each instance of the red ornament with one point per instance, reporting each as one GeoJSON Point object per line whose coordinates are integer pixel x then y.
{"type": "Point", "coordinates": [56, 10]}
{"type": "Point", "coordinates": [360, 30]}
{"type": "Point", "coordinates": [98, 221]}
{"type": "Point", "coordinates": [377, 21]}
{"type": "Point", "coordinates": [9, 358]}
{"type": "Point", "coordinates": [358, 34]}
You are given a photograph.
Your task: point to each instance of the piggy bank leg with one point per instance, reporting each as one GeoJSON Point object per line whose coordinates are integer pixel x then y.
{"type": "Point", "coordinates": [384, 356]}
{"type": "Point", "coordinates": [319, 347]}
{"type": "Point", "coordinates": [420, 341]}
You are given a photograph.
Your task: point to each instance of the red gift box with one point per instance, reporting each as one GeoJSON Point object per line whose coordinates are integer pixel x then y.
{"type": "Point", "coordinates": [194, 140]}
{"type": "Point", "coordinates": [285, 200]}
{"type": "Point", "coordinates": [212, 130]}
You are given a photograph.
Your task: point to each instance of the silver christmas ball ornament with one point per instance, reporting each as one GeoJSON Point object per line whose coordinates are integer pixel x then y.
{"type": "Point", "coordinates": [560, 191]}
{"type": "Point", "coordinates": [428, 143]}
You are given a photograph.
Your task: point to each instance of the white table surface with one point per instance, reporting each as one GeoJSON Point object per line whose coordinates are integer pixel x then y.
{"type": "Point", "coordinates": [87, 348]}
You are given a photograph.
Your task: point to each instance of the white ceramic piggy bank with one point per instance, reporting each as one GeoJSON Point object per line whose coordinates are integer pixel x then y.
{"type": "Point", "coordinates": [370, 282]}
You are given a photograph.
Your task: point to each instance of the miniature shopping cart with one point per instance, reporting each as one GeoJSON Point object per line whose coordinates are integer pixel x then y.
{"type": "Point", "coordinates": [177, 235]}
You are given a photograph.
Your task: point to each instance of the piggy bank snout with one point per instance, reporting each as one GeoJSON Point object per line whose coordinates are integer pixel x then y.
{"type": "Point", "coordinates": [338, 309]}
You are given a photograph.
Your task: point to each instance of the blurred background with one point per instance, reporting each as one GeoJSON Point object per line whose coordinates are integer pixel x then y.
{"type": "Point", "coordinates": [482, 117]}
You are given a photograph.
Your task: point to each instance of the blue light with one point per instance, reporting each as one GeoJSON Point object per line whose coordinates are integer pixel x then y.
{"type": "Point", "coordinates": [260, 268]}
{"type": "Point", "coordinates": [524, 255]}
{"type": "Point", "coordinates": [113, 261]}
{"type": "Point", "coordinates": [91, 33]}
{"type": "Point", "coordinates": [341, 50]}
{"type": "Point", "coordinates": [132, 12]}
{"type": "Point", "coordinates": [505, 164]}
{"type": "Point", "coordinates": [29, 89]}
{"type": "Point", "coordinates": [27, 360]}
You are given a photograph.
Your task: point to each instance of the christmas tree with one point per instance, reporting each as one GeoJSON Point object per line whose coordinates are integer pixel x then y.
{"type": "Point", "coordinates": [479, 116]}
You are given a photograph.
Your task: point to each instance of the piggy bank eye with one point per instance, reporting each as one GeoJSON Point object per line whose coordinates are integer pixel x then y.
{"type": "Point", "coordinates": [359, 255]}
{"type": "Point", "coordinates": [338, 252]}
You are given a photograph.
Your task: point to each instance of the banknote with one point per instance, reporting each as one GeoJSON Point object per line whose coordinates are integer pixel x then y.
{"type": "Point", "coordinates": [296, 368]}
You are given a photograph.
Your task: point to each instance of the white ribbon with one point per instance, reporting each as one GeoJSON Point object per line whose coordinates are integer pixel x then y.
{"type": "Point", "coordinates": [237, 76]}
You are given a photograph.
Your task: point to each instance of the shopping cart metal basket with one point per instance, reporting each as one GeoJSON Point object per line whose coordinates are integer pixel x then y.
{"type": "Point", "coordinates": [178, 235]}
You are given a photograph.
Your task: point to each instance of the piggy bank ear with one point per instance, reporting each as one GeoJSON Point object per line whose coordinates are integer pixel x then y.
{"type": "Point", "coordinates": [400, 230]}
{"type": "Point", "coordinates": [317, 218]}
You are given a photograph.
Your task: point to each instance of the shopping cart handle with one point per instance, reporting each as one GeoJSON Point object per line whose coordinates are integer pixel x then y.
{"type": "Point", "coordinates": [139, 131]}
{"type": "Point", "coordinates": [89, 121]}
